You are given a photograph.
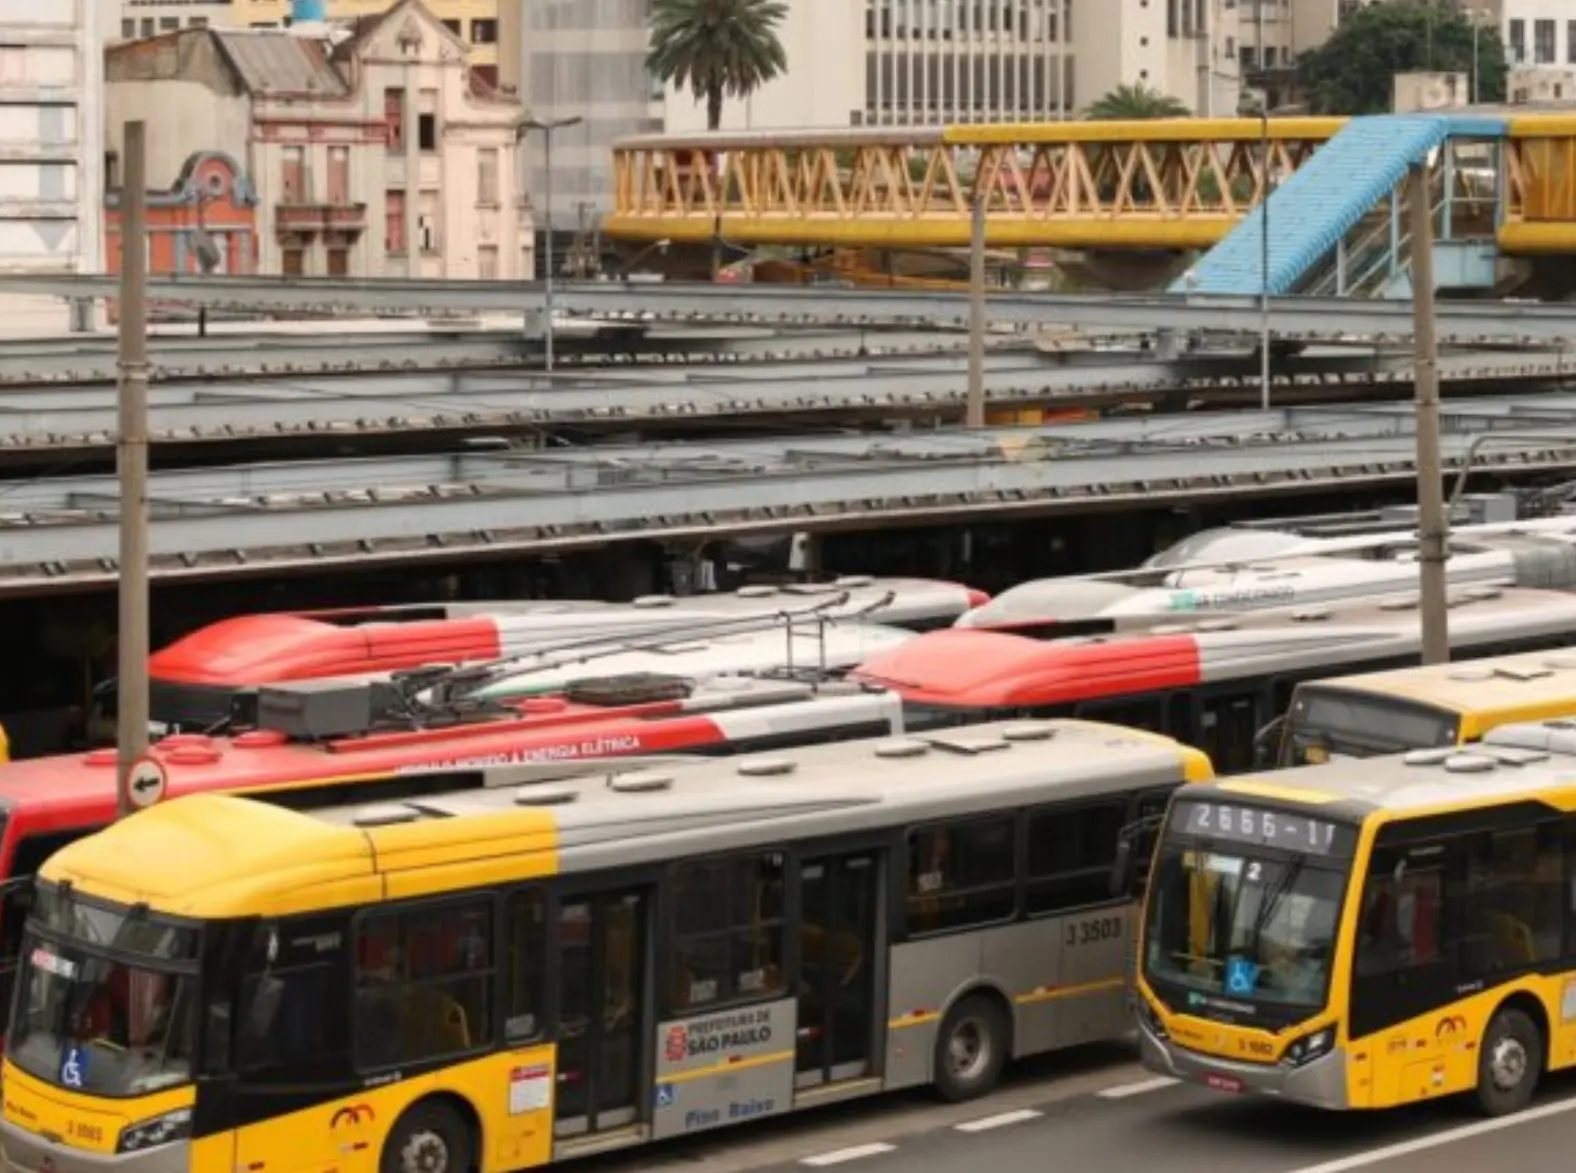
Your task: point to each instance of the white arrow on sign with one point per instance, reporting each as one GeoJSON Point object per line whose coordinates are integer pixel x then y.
{"type": "Point", "coordinates": [146, 782]}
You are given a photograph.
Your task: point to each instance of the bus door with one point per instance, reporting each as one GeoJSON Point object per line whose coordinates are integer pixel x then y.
{"type": "Point", "coordinates": [600, 939]}
{"type": "Point", "coordinates": [840, 903]}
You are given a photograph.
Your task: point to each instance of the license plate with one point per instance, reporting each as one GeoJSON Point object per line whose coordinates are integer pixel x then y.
{"type": "Point", "coordinates": [1223, 1083]}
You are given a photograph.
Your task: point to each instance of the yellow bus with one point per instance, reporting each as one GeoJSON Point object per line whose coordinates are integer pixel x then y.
{"type": "Point", "coordinates": [1364, 934]}
{"type": "Point", "coordinates": [1422, 707]}
{"type": "Point", "coordinates": [499, 977]}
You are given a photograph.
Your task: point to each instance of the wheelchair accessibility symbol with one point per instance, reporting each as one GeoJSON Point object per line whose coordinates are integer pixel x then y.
{"type": "Point", "coordinates": [73, 1068]}
{"type": "Point", "coordinates": [667, 1095]}
{"type": "Point", "coordinates": [1242, 976]}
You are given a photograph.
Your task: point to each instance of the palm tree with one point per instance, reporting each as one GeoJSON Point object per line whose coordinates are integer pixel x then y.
{"type": "Point", "coordinates": [1130, 103]}
{"type": "Point", "coordinates": [717, 48]}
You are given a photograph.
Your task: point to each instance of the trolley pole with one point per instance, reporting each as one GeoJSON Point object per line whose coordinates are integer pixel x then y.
{"type": "Point", "coordinates": [975, 409]}
{"type": "Point", "coordinates": [1433, 523]}
{"type": "Point", "coordinates": [131, 451]}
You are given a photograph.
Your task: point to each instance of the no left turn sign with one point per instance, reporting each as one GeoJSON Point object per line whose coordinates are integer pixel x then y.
{"type": "Point", "coordinates": [146, 783]}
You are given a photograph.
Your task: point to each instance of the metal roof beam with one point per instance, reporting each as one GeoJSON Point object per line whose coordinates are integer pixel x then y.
{"type": "Point", "coordinates": [1291, 317]}
{"type": "Point", "coordinates": [286, 512]}
{"type": "Point", "coordinates": [43, 418]}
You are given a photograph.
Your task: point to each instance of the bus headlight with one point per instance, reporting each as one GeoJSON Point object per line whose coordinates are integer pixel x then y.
{"type": "Point", "coordinates": [1309, 1047]}
{"type": "Point", "coordinates": [147, 1134]}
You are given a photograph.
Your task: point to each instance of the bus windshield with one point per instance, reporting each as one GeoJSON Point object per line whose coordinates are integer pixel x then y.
{"type": "Point", "coordinates": [1243, 917]}
{"type": "Point", "coordinates": [1326, 723]}
{"type": "Point", "coordinates": [88, 1018]}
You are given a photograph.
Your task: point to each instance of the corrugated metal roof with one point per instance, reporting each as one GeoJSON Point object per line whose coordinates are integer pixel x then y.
{"type": "Point", "coordinates": [278, 62]}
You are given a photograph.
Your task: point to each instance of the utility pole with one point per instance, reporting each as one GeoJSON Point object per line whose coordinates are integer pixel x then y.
{"type": "Point", "coordinates": [131, 451]}
{"type": "Point", "coordinates": [975, 410]}
{"type": "Point", "coordinates": [1433, 526]}
{"type": "Point", "coordinates": [547, 129]}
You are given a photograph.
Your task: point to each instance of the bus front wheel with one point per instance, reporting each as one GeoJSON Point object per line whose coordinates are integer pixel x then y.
{"type": "Point", "coordinates": [429, 1138]}
{"type": "Point", "coordinates": [971, 1048]}
{"type": "Point", "coordinates": [1509, 1063]}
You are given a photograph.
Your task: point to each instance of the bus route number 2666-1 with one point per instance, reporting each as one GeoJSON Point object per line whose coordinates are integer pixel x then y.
{"type": "Point", "coordinates": [1094, 930]}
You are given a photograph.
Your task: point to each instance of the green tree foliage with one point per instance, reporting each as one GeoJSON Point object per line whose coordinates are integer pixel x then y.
{"type": "Point", "coordinates": [1128, 103]}
{"type": "Point", "coordinates": [717, 48]}
{"type": "Point", "coordinates": [1353, 72]}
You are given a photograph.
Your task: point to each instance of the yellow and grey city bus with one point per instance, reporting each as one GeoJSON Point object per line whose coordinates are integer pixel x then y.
{"type": "Point", "coordinates": [1423, 707]}
{"type": "Point", "coordinates": [1370, 933]}
{"type": "Point", "coordinates": [499, 977]}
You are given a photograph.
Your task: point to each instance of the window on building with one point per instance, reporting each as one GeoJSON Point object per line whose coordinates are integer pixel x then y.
{"type": "Point", "coordinates": [1248, 59]}
{"type": "Point", "coordinates": [169, 24]}
{"type": "Point", "coordinates": [339, 262]}
{"type": "Point", "coordinates": [394, 220]}
{"type": "Point", "coordinates": [339, 175]}
{"type": "Point", "coordinates": [196, 22]}
{"type": "Point", "coordinates": [429, 215]}
{"type": "Point", "coordinates": [394, 118]}
{"type": "Point", "coordinates": [484, 32]}
{"type": "Point", "coordinates": [1570, 42]}
{"type": "Point", "coordinates": [1518, 41]}
{"type": "Point", "coordinates": [292, 176]}
{"type": "Point", "coordinates": [146, 26]}
{"type": "Point", "coordinates": [487, 262]}
{"type": "Point", "coordinates": [487, 176]}
{"type": "Point", "coordinates": [961, 874]}
{"type": "Point", "coordinates": [453, 26]}
{"type": "Point", "coordinates": [292, 262]}
{"type": "Point", "coordinates": [727, 930]}
{"type": "Point", "coordinates": [427, 132]}
{"type": "Point", "coordinates": [1543, 42]}
{"type": "Point", "coordinates": [128, 28]}
{"type": "Point", "coordinates": [423, 983]}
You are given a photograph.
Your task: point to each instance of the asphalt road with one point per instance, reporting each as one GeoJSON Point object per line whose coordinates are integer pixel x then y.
{"type": "Point", "coordinates": [1097, 1110]}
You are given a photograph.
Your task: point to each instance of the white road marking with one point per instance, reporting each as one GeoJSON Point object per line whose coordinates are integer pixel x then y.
{"type": "Point", "coordinates": [1122, 1091]}
{"type": "Point", "coordinates": [1439, 1139]}
{"type": "Point", "coordinates": [838, 1156]}
{"type": "Point", "coordinates": [1000, 1120]}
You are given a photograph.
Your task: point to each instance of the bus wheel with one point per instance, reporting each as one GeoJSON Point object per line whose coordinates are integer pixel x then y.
{"type": "Point", "coordinates": [971, 1049]}
{"type": "Point", "coordinates": [429, 1138]}
{"type": "Point", "coordinates": [1509, 1063]}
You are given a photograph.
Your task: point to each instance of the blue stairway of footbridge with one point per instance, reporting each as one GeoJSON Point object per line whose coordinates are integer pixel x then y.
{"type": "Point", "coordinates": [1325, 198]}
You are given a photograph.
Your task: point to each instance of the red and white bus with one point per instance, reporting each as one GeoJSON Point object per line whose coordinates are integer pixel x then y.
{"type": "Point", "coordinates": [46, 803]}
{"type": "Point", "coordinates": [1213, 683]}
{"type": "Point", "coordinates": [195, 678]}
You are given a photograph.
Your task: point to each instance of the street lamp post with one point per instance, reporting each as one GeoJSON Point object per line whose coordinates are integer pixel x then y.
{"type": "Point", "coordinates": [547, 128]}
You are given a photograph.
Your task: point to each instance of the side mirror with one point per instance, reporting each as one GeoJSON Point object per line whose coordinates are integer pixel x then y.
{"type": "Point", "coordinates": [1266, 743]}
{"type": "Point", "coordinates": [1122, 869]}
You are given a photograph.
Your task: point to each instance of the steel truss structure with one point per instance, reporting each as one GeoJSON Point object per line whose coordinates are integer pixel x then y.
{"type": "Point", "coordinates": [1169, 183]}
{"type": "Point", "coordinates": [1463, 323]}
{"type": "Point", "coordinates": [261, 519]}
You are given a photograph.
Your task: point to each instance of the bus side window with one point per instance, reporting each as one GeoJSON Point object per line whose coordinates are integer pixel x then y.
{"type": "Point", "coordinates": [423, 980]}
{"type": "Point", "coordinates": [525, 918]}
{"type": "Point", "coordinates": [1511, 910]}
{"type": "Point", "coordinates": [1144, 712]}
{"type": "Point", "coordinates": [1227, 724]}
{"type": "Point", "coordinates": [1400, 968]}
{"type": "Point", "coordinates": [290, 1024]}
{"type": "Point", "coordinates": [962, 874]}
{"type": "Point", "coordinates": [728, 928]}
{"type": "Point", "coordinates": [1071, 852]}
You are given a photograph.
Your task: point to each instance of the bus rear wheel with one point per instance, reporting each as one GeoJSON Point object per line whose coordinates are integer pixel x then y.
{"type": "Point", "coordinates": [1510, 1061]}
{"type": "Point", "coordinates": [971, 1049]}
{"type": "Point", "coordinates": [429, 1138]}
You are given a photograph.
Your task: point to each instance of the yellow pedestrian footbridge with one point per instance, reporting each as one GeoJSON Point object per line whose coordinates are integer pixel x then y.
{"type": "Point", "coordinates": [1163, 185]}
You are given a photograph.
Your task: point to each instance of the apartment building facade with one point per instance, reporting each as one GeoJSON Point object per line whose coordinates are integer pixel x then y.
{"type": "Point", "coordinates": [1539, 32]}
{"type": "Point", "coordinates": [473, 21]}
{"type": "Point", "coordinates": [51, 148]}
{"type": "Point", "coordinates": [880, 62]}
{"type": "Point", "coordinates": [375, 152]}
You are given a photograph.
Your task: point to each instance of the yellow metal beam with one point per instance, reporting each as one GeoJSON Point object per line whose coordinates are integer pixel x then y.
{"type": "Point", "coordinates": [1171, 184]}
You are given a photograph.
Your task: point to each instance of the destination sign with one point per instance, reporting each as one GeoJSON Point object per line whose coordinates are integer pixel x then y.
{"type": "Point", "coordinates": [1257, 827]}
